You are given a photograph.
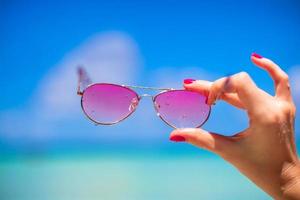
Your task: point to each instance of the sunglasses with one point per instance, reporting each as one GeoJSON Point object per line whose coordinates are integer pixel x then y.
{"type": "Point", "coordinates": [108, 104]}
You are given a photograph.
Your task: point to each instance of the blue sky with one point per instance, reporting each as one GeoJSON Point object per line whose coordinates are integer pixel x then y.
{"type": "Point", "coordinates": [216, 37]}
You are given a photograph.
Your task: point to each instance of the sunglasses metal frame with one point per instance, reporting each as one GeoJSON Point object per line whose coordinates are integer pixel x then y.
{"type": "Point", "coordinates": [85, 82]}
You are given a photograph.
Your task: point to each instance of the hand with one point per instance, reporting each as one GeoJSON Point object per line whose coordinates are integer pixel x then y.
{"type": "Point", "coordinates": [265, 152]}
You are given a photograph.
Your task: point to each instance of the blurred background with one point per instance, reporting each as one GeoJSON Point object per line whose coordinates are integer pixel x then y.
{"type": "Point", "coordinates": [48, 148]}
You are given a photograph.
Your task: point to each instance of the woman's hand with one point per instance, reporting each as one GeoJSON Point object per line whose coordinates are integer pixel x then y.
{"type": "Point", "coordinates": [265, 152]}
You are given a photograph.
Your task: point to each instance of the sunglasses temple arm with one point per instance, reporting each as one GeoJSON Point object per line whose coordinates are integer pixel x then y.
{"type": "Point", "coordinates": [83, 80]}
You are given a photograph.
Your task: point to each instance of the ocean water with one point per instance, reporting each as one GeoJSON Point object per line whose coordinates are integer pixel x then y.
{"type": "Point", "coordinates": [125, 177]}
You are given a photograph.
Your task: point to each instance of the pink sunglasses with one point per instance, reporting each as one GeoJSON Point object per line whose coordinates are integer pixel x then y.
{"type": "Point", "coordinates": [108, 104]}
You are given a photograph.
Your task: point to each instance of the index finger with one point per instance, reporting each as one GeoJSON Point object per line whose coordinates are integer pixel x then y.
{"type": "Point", "coordinates": [241, 84]}
{"type": "Point", "coordinates": [204, 87]}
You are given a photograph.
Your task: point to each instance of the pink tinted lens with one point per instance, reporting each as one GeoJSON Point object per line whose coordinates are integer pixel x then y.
{"type": "Point", "coordinates": [182, 109]}
{"type": "Point", "coordinates": [108, 103]}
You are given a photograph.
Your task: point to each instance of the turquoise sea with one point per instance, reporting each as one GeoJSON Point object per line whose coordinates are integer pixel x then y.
{"type": "Point", "coordinates": [123, 177]}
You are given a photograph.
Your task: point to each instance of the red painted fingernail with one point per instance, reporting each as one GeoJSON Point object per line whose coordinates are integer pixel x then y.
{"type": "Point", "coordinates": [188, 81]}
{"type": "Point", "coordinates": [177, 138]}
{"type": "Point", "coordinates": [256, 55]}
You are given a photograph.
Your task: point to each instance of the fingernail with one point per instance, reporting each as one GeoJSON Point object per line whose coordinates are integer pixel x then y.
{"type": "Point", "coordinates": [177, 138]}
{"type": "Point", "coordinates": [256, 55]}
{"type": "Point", "coordinates": [188, 81]}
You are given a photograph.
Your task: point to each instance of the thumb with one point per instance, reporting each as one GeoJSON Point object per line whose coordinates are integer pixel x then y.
{"type": "Point", "coordinates": [210, 141]}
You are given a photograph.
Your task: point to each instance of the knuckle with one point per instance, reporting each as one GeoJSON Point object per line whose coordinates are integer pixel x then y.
{"type": "Point", "coordinates": [293, 109]}
{"type": "Point", "coordinates": [243, 75]}
{"type": "Point", "coordinates": [242, 79]}
{"type": "Point", "coordinates": [287, 109]}
{"type": "Point", "coordinates": [279, 114]}
{"type": "Point", "coordinates": [273, 118]}
{"type": "Point", "coordinates": [284, 77]}
{"type": "Point", "coordinates": [284, 113]}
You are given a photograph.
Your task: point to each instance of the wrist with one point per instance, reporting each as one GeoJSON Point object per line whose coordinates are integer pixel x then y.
{"type": "Point", "coordinates": [290, 180]}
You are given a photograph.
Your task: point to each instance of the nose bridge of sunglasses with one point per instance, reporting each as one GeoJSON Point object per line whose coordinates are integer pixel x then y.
{"type": "Point", "coordinates": [144, 91]}
{"type": "Point", "coordinates": [145, 95]}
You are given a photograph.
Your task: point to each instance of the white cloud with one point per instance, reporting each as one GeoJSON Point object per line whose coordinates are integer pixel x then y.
{"type": "Point", "coordinates": [108, 57]}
